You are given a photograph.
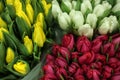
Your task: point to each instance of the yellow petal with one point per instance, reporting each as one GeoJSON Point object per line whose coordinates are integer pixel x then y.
{"type": "Point", "coordinates": [40, 19]}
{"type": "Point", "coordinates": [3, 23]}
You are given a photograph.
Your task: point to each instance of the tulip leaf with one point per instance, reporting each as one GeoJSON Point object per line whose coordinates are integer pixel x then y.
{"type": "Point", "coordinates": [64, 7]}
{"type": "Point", "coordinates": [117, 13]}
{"type": "Point", "coordinates": [112, 2]}
{"type": "Point", "coordinates": [78, 5]}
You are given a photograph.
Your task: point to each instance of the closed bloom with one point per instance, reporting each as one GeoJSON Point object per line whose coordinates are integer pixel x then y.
{"type": "Point", "coordinates": [48, 69]}
{"type": "Point", "coordinates": [55, 8]}
{"type": "Point", "coordinates": [40, 20]}
{"type": "Point", "coordinates": [92, 20]}
{"type": "Point", "coordinates": [10, 55]}
{"type": "Point", "coordinates": [64, 21]}
{"type": "Point", "coordinates": [3, 23]}
{"type": "Point", "coordinates": [85, 30]}
{"type": "Point", "coordinates": [116, 8]}
{"type": "Point", "coordinates": [28, 44]}
{"type": "Point", "coordinates": [108, 25]}
{"type": "Point", "coordinates": [100, 9]}
{"type": "Point", "coordinates": [77, 18]}
{"type": "Point", "coordinates": [1, 33]}
{"type": "Point", "coordinates": [38, 35]}
{"type": "Point", "coordinates": [10, 2]}
{"type": "Point", "coordinates": [21, 67]}
{"type": "Point", "coordinates": [86, 6]}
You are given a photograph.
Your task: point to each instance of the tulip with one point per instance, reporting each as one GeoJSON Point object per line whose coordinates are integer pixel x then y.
{"type": "Point", "coordinates": [76, 5]}
{"type": "Point", "coordinates": [68, 41]}
{"type": "Point", "coordinates": [66, 6]}
{"type": "Point", "coordinates": [92, 20]}
{"type": "Point", "coordinates": [115, 77]}
{"type": "Point", "coordinates": [80, 77]}
{"type": "Point", "coordinates": [108, 25]}
{"type": "Point", "coordinates": [28, 44]}
{"type": "Point", "coordinates": [10, 55]}
{"type": "Point", "coordinates": [48, 77]}
{"type": "Point", "coordinates": [49, 58]}
{"type": "Point", "coordinates": [116, 8]}
{"type": "Point", "coordinates": [55, 8]}
{"type": "Point", "coordinates": [83, 44]}
{"type": "Point", "coordinates": [77, 18]}
{"type": "Point", "coordinates": [48, 69]}
{"type": "Point", "coordinates": [21, 67]}
{"type": "Point", "coordinates": [60, 72]}
{"type": "Point", "coordinates": [40, 20]}
{"type": "Point", "coordinates": [10, 2]}
{"type": "Point", "coordinates": [101, 58]}
{"type": "Point", "coordinates": [74, 55]}
{"type": "Point", "coordinates": [107, 72]}
{"type": "Point", "coordinates": [113, 62]}
{"type": "Point", "coordinates": [86, 7]}
{"type": "Point", "coordinates": [61, 62]}
{"type": "Point", "coordinates": [55, 49]}
{"type": "Point", "coordinates": [100, 9]}
{"type": "Point", "coordinates": [38, 35]}
{"type": "Point", "coordinates": [1, 33]}
{"type": "Point", "coordinates": [78, 72]}
{"type": "Point", "coordinates": [95, 2]}
{"type": "Point", "coordinates": [97, 65]}
{"type": "Point", "coordinates": [85, 30]}
{"type": "Point", "coordinates": [64, 21]}
{"type": "Point", "coordinates": [3, 23]}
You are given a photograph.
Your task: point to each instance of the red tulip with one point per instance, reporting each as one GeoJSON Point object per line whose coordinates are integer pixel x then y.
{"type": "Point", "coordinates": [107, 72]}
{"type": "Point", "coordinates": [64, 52]}
{"type": "Point", "coordinates": [78, 72]}
{"type": "Point", "coordinates": [85, 68]}
{"type": "Point", "coordinates": [97, 65]}
{"type": "Point", "coordinates": [48, 69]}
{"type": "Point", "coordinates": [87, 57]}
{"type": "Point", "coordinates": [74, 55]}
{"type": "Point", "coordinates": [116, 77]}
{"type": "Point", "coordinates": [116, 39]}
{"type": "Point", "coordinates": [72, 68]}
{"type": "Point", "coordinates": [55, 49]}
{"type": "Point", "coordinates": [61, 62]}
{"type": "Point", "coordinates": [50, 59]}
{"type": "Point", "coordinates": [100, 57]}
{"type": "Point", "coordinates": [109, 48]}
{"type": "Point", "coordinates": [49, 77]}
{"type": "Point", "coordinates": [61, 72]}
{"type": "Point", "coordinates": [83, 44]}
{"type": "Point", "coordinates": [80, 77]}
{"type": "Point", "coordinates": [68, 41]}
{"type": "Point", "coordinates": [113, 62]}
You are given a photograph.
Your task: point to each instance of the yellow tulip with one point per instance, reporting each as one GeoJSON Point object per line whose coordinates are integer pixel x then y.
{"type": "Point", "coordinates": [22, 67]}
{"type": "Point", "coordinates": [40, 20]}
{"type": "Point", "coordinates": [28, 44]}
{"type": "Point", "coordinates": [1, 33]}
{"type": "Point", "coordinates": [10, 2]}
{"type": "Point", "coordinates": [3, 23]}
{"type": "Point", "coordinates": [17, 5]}
{"type": "Point", "coordinates": [38, 35]}
{"type": "Point", "coordinates": [9, 55]}
{"type": "Point", "coordinates": [46, 6]}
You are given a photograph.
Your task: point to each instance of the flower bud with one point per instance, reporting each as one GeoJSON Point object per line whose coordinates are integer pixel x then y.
{"type": "Point", "coordinates": [10, 55]}
{"type": "Point", "coordinates": [116, 8]}
{"type": "Point", "coordinates": [85, 30]}
{"type": "Point", "coordinates": [28, 44]}
{"type": "Point", "coordinates": [92, 20]}
{"type": "Point", "coordinates": [3, 23]}
{"type": "Point", "coordinates": [40, 20]}
{"type": "Point", "coordinates": [21, 67]}
{"type": "Point", "coordinates": [77, 18]}
{"type": "Point", "coordinates": [64, 21]}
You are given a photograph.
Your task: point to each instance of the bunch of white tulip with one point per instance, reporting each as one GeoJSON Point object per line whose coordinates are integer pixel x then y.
{"type": "Point", "coordinates": [83, 16]}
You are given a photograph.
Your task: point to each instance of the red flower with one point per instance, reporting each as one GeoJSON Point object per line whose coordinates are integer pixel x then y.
{"type": "Point", "coordinates": [100, 57]}
{"type": "Point", "coordinates": [116, 77]}
{"type": "Point", "coordinates": [61, 62]}
{"type": "Point", "coordinates": [107, 72]}
{"type": "Point", "coordinates": [109, 48]}
{"type": "Point", "coordinates": [48, 69]}
{"type": "Point", "coordinates": [85, 68]}
{"type": "Point", "coordinates": [78, 72]}
{"type": "Point", "coordinates": [87, 57]}
{"type": "Point", "coordinates": [113, 62]}
{"type": "Point", "coordinates": [50, 59]}
{"type": "Point", "coordinates": [83, 44]}
{"type": "Point", "coordinates": [55, 49]}
{"type": "Point", "coordinates": [74, 55]}
{"type": "Point", "coordinates": [80, 77]}
{"type": "Point", "coordinates": [68, 41]}
{"type": "Point", "coordinates": [61, 72]}
{"type": "Point", "coordinates": [97, 65]}
{"type": "Point", "coordinates": [116, 39]}
{"type": "Point", "coordinates": [49, 77]}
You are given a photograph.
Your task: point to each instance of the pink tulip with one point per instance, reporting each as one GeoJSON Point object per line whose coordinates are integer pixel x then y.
{"type": "Point", "coordinates": [83, 44]}
{"type": "Point", "coordinates": [68, 41]}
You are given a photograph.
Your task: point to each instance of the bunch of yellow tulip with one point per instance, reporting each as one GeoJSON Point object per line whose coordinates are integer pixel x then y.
{"type": "Point", "coordinates": [22, 34]}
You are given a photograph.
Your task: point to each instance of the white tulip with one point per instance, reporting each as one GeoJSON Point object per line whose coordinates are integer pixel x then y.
{"type": "Point", "coordinates": [117, 1]}
{"type": "Point", "coordinates": [74, 3]}
{"type": "Point", "coordinates": [85, 6]}
{"type": "Point", "coordinates": [92, 20]}
{"type": "Point", "coordinates": [108, 25]}
{"type": "Point", "coordinates": [55, 8]}
{"type": "Point", "coordinates": [116, 8]}
{"type": "Point", "coordinates": [77, 18]}
{"type": "Point", "coordinates": [64, 20]}
{"type": "Point", "coordinates": [85, 30]}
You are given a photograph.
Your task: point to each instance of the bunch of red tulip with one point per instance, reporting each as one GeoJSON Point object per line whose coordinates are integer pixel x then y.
{"type": "Point", "coordinates": [78, 58]}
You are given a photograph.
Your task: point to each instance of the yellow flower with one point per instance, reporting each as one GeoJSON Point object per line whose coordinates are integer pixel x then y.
{"type": "Point", "coordinates": [17, 5]}
{"type": "Point", "coordinates": [10, 2]}
{"type": "Point", "coordinates": [1, 33]}
{"type": "Point", "coordinates": [28, 44]}
{"type": "Point", "coordinates": [46, 6]}
{"type": "Point", "coordinates": [40, 20]}
{"type": "Point", "coordinates": [22, 67]}
{"type": "Point", "coordinates": [3, 23]}
{"type": "Point", "coordinates": [38, 35]}
{"type": "Point", "coordinates": [30, 12]}
{"type": "Point", "coordinates": [9, 55]}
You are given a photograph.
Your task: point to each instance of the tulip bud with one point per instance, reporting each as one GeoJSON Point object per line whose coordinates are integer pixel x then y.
{"type": "Point", "coordinates": [60, 72]}
{"type": "Point", "coordinates": [92, 20]}
{"type": "Point", "coordinates": [95, 2]}
{"type": "Point", "coordinates": [101, 9]}
{"type": "Point", "coordinates": [40, 20]}
{"type": "Point", "coordinates": [48, 69]}
{"type": "Point", "coordinates": [38, 35]}
{"type": "Point", "coordinates": [108, 25]}
{"type": "Point", "coordinates": [3, 23]}
{"type": "Point", "coordinates": [86, 7]}
{"type": "Point", "coordinates": [28, 44]}
{"type": "Point", "coordinates": [21, 67]}
{"type": "Point", "coordinates": [64, 21]}
{"type": "Point", "coordinates": [66, 6]}
{"type": "Point", "coordinates": [85, 30]}
{"type": "Point", "coordinates": [10, 2]}
{"type": "Point", "coordinates": [10, 55]}
{"type": "Point", "coordinates": [1, 33]}
{"type": "Point", "coordinates": [116, 8]}
{"type": "Point", "coordinates": [77, 18]}
{"type": "Point", "coordinates": [48, 77]}
{"type": "Point", "coordinates": [55, 8]}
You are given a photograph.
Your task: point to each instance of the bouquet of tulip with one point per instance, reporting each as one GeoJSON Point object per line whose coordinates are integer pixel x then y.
{"type": "Point", "coordinates": [86, 17]}
{"type": "Point", "coordinates": [23, 31]}
{"type": "Point", "coordinates": [78, 58]}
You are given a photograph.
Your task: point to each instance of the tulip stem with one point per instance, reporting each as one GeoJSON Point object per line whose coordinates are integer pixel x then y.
{"type": "Point", "coordinates": [61, 77]}
{"type": "Point", "coordinates": [107, 58]}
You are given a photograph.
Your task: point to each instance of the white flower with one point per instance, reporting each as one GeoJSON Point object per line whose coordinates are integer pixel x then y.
{"type": "Point", "coordinates": [85, 30]}
{"type": "Point", "coordinates": [74, 3]}
{"type": "Point", "coordinates": [96, 2]}
{"type": "Point", "coordinates": [55, 8]}
{"type": "Point", "coordinates": [77, 18]}
{"type": "Point", "coordinates": [92, 20]}
{"type": "Point", "coordinates": [85, 6]}
{"type": "Point", "coordinates": [108, 25]}
{"type": "Point", "coordinates": [101, 8]}
{"type": "Point", "coordinates": [116, 8]}
{"type": "Point", "coordinates": [64, 20]}
{"type": "Point", "coordinates": [117, 1]}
